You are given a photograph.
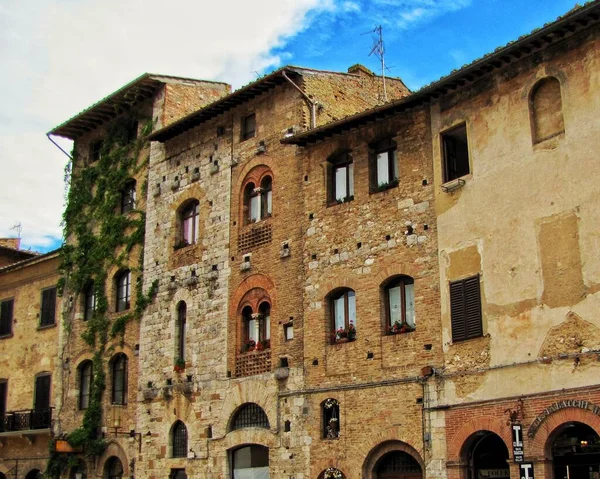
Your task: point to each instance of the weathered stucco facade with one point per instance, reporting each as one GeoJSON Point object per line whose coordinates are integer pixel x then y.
{"type": "Point", "coordinates": [30, 380]}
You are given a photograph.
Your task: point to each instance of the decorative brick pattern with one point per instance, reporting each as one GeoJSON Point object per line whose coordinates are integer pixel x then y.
{"type": "Point", "coordinates": [256, 235]}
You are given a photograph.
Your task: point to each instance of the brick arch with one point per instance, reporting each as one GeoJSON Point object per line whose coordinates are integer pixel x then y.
{"type": "Point", "coordinates": [262, 160]}
{"type": "Point", "coordinates": [392, 270]}
{"type": "Point", "coordinates": [113, 449]}
{"type": "Point", "coordinates": [255, 281]}
{"type": "Point", "coordinates": [341, 281]}
{"type": "Point", "coordinates": [319, 466]}
{"type": "Point", "coordinates": [456, 446]}
{"type": "Point", "coordinates": [541, 445]}
{"type": "Point", "coordinates": [376, 453]}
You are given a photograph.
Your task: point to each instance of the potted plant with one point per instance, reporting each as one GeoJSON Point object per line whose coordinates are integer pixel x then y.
{"type": "Point", "coordinates": [179, 365]}
{"type": "Point", "coordinates": [248, 346]}
{"type": "Point", "coordinates": [400, 327]}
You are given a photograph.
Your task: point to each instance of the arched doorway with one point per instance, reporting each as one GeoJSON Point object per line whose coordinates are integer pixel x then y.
{"type": "Point", "coordinates": [113, 468]}
{"type": "Point", "coordinates": [34, 474]}
{"type": "Point", "coordinates": [576, 452]}
{"type": "Point", "coordinates": [397, 465]}
{"type": "Point", "coordinates": [487, 456]}
{"type": "Point", "coordinates": [250, 462]}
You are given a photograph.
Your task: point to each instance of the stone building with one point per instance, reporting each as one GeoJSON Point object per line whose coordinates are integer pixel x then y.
{"type": "Point", "coordinates": [509, 148]}
{"type": "Point", "coordinates": [102, 269]}
{"type": "Point", "coordinates": [30, 330]}
{"type": "Point", "coordinates": [224, 339]}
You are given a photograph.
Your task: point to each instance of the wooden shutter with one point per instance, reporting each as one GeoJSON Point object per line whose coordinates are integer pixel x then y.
{"type": "Point", "coordinates": [42, 392]}
{"type": "Point", "coordinates": [48, 307]}
{"type": "Point", "coordinates": [465, 309]}
{"type": "Point", "coordinates": [3, 390]}
{"type": "Point", "coordinates": [6, 317]}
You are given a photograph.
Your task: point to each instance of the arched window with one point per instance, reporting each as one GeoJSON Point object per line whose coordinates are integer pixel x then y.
{"type": "Point", "coordinates": [181, 329]}
{"type": "Point", "coordinates": [330, 409]}
{"type": "Point", "coordinates": [249, 415]}
{"type": "Point", "coordinates": [190, 223]}
{"type": "Point", "coordinates": [119, 379]}
{"type": "Point", "coordinates": [342, 304]}
{"type": "Point", "coordinates": [89, 303]}
{"type": "Point", "coordinates": [179, 439]}
{"type": "Point", "coordinates": [128, 196]}
{"type": "Point", "coordinates": [113, 468]}
{"type": "Point", "coordinates": [545, 110]}
{"type": "Point", "coordinates": [85, 383]}
{"type": "Point", "coordinates": [250, 462]}
{"type": "Point", "coordinates": [123, 286]}
{"type": "Point", "coordinates": [399, 299]}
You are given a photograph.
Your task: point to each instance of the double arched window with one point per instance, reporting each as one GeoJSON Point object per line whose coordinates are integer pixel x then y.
{"type": "Point", "coordinates": [258, 195]}
{"type": "Point", "coordinates": [119, 379]}
{"type": "Point", "coordinates": [85, 383]}
{"type": "Point", "coordinates": [257, 327]}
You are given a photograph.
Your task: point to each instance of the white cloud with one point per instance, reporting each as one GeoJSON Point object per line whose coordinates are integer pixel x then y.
{"type": "Point", "coordinates": [60, 56]}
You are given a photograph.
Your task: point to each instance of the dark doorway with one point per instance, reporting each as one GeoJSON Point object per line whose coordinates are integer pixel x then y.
{"type": "Point", "coordinates": [34, 474]}
{"type": "Point", "coordinates": [488, 457]}
{"type": "Point", "coordinates": [576, 452]}
{"type": "Point", "coordinates": [397, 465]}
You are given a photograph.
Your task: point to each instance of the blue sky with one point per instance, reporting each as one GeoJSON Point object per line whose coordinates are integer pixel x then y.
{"type": "Point", "coordinates": [60, 56]}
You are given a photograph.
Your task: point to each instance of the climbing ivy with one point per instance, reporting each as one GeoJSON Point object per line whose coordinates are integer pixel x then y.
{"type": "Point", "coordinates": [99, 239]}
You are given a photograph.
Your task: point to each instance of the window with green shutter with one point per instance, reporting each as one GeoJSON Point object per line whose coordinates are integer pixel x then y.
{"type": "Point", "coordinates": [465, 309]}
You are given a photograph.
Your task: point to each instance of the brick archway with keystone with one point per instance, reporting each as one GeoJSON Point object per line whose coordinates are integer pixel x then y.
{"type": "Point", "coordinates": [541, 445]}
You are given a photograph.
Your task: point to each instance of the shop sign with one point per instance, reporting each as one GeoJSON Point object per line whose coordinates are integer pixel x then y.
{"type": "Point", "coordinates": [493, 473]}
{"type": "Point", "coordinates": [517, 437]}
{"type": "Point", "coordinates": [526, 470]}
{"type": "Point", "coordinates": [557, 406]}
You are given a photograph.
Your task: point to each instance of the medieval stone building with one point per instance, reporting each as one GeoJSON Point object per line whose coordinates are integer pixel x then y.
{"type": "Point", "coordinates": [307, 282]}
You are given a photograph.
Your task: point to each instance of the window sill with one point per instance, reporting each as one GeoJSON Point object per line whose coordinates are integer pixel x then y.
{"type": "Point", "coordinates": [255, 351]}
{"type": "Point", "coordinates": [7, 336]}
{"type": "Point", "coordinates": [346, 200]}
{"type": "Point", "coordinates": [468, 340]}
{"type": "Point", "coordinates": [261, 221]}
{"type": "Point", "coordinates": [396, 333]}
{"type": "Point", "coordinates": [343, 340]}
{"type": "Point", "coordinates": [184, 247]}
{"type": "Point", "coordinates": [46, 326]}
{"type": "Point", "coordinates": [385, 187]}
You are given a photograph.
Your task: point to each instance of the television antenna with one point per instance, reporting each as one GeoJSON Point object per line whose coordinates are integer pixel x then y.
{"type": "Point", "coordinates": [379, 51]}
{"type": "Point", "coordinates": [18, 228]}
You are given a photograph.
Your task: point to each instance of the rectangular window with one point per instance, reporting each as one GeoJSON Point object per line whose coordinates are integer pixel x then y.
{"type": "Point", "coordinates": [465, 309]}
{"type": "Point", "coordinates": [123, 291]}
{"type": "Point", "coordinates": [3, 398]}
{"type": "Point", "coordinates": [249, 127]}
{"type": "Point", "coordinates": [96, 150]}
{"type": "Point", "coordinates": [343, 186]}
{"type": "Point", "coordinates": [385, 164]}
{"type": "Point", "coordinates": [288, 331]}
{"type": "Point", "coordinates": [455, 152]}
{"type": "Point", "coordinates": [48, 310]}
{"type": "Point", "coordinates": [6, 317]}
{"type": "Point", "coordinates": [128, 197]}
{"type": "Point", "coordinates": [90, 303]}
{"type": "Point", "coordinates": [41, 416]}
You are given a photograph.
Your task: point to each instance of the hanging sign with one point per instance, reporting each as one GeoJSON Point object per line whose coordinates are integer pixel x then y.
{"type": "Point", "coordinates": [517, 438]}
{"type": "Point", "coordinates": [526, 470]}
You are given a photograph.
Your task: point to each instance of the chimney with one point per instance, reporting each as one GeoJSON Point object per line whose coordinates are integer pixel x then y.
{"type": "Point", "coordinates": [13, 243]}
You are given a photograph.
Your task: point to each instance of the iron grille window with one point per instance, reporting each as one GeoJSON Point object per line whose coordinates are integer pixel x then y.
{"type": "Point", "coordinates": [6, 317]}
{"type": "Point", "coordinates": [48, 312]}
{"type": "Point", "coordinates": [465, 309]}
{"type": "Point", "coordinates": [250, 415]}
{"type": "Point", "coordinates": [179, 440]}
{"type": "Point", "coordinates": [398, 462]}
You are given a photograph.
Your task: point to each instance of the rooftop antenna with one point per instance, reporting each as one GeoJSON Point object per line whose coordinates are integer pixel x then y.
{"type": "Point", "coordinates": [379, 51]}
{"type": "Point", "coordinates": [18, 228]}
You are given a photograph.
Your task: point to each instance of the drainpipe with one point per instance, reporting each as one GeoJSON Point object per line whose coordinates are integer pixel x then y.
{"type": "Point", "coordinates": [311, 103]}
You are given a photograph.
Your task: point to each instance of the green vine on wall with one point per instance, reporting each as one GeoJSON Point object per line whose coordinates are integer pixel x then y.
{"type": "Point", "coordinates": [100, 240]}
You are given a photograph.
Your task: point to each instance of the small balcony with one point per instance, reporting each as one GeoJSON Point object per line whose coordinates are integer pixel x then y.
{"type": "Point", "coordinates": [253, 362]}
{"type": "Point", "coordinates": [26, 421]}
